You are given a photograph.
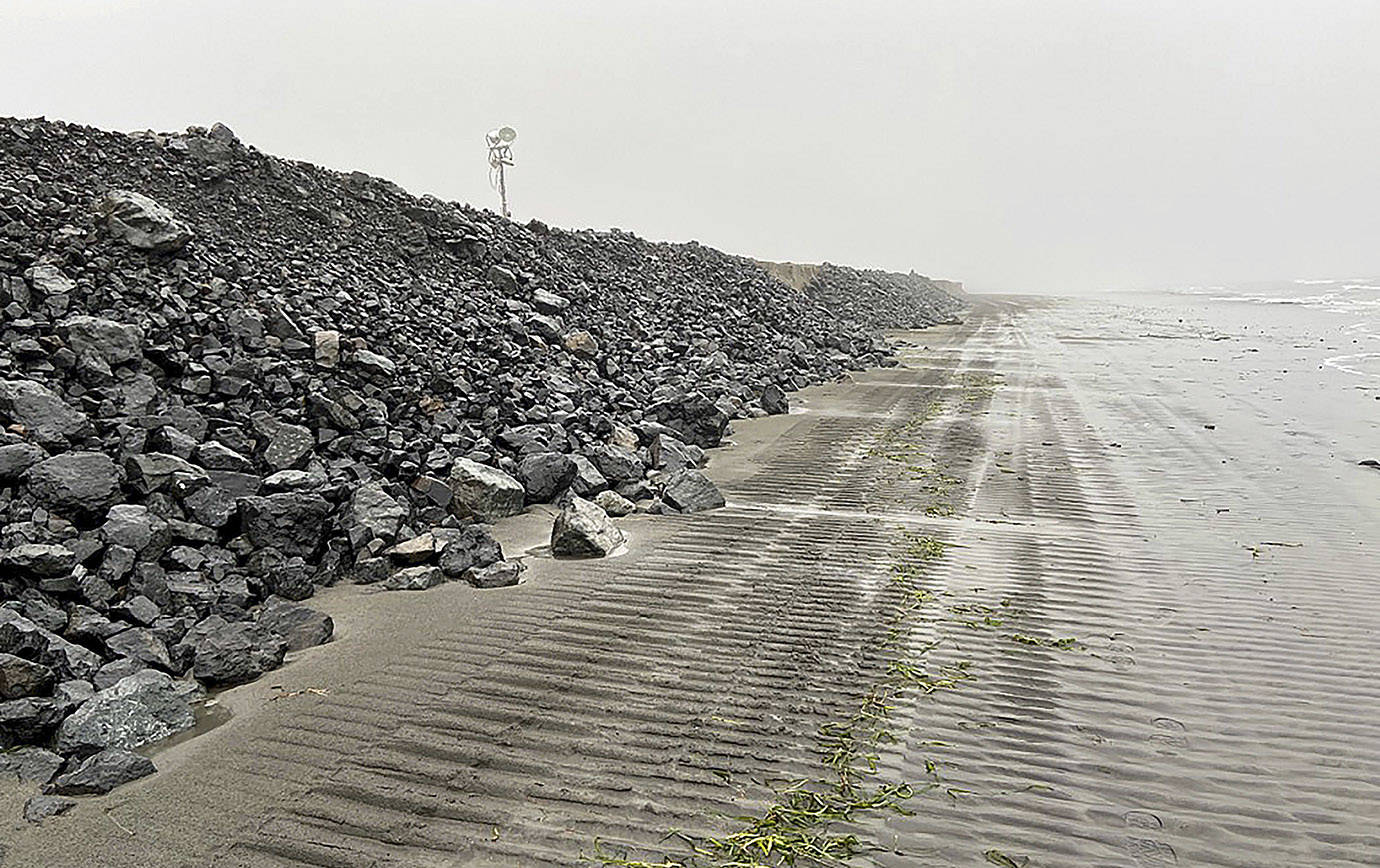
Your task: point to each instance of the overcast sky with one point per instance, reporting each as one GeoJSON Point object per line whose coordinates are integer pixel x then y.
{"type": "Point", "coordinates": [1046, 145]}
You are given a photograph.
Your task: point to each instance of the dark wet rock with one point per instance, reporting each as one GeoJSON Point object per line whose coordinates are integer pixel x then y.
{"type": "Point", "coordinates": [115, 343]}
{"type": "Point", "coordinates": [139, 709]}
{"type": "Point", "coordinates": [545, 474]}
{"type": "Point", "coordinates": [774, 400]}
{"type": "Point", "coordinates": [534, 438]}
{"type": "Point", "coordinates": [484, 493]}
{"type": "Point", "coordinates": [38, 560]}
{"type": "Point", "coordinates": [40, 808]}
{"type": "Point", "coordinates": [79, 482]}
{"type": "Point", "coordinates": [500, 575]}
{"type": "Point", "coordinates": [300, 626]}
{"type": "Point", "coordinates": [16, 458]}
{"type": "Point", "coordinates": [143, 223]}
{"type": "Point", "coordinates": [415, 579]}
{"type": "Point", "coordinates": [30, 765]}
{"type": "Point", "coordinates": [691, 491]}
{"type": "Point", "coordinates": [696, 418]}
{"type": "Point", "coordinates": [285, 445]}
{"type": "Point", "coordinates": [615, 504]}
{"type": "Point", "coordinates": [583, 529]}
{"type": "Point", "coordinates": [587, 479]}
{"type": "Point", "coordinates": [160, 471]}
{"type": "Point", "coordinates": [101, 773]}
{"type": "Point", "coordinates": [28, 720]}
{"type": "Point", "coordinates": [141, 644]}
{"type": "Point", "coordinates": [471, 548]}
{"type": "Point", "coordinates": [40, 410]}
{"type": "Point", "coordinates": [290, 522]}
{"type": "Point", "coordinates": [23, 638]}
{"type": "Point", "coordinates": [20, 677]}
{"type": "Point", "coordinates": [134, 527]}
{"type": "Point", "coordinates": [618, 464]}
{"type": "Point", "coordinates": [671, 455]}
{"type": "Point", "coordinates": [236, 653]}
{"type": "Point", "coordinates": [373, 514]}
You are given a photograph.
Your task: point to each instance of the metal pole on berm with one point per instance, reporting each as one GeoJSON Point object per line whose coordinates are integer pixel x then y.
{"type": "Point", "coordinates": [500, 157]}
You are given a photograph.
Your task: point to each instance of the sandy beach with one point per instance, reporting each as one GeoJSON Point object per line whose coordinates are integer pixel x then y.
{"type": "Point", "coordinates": [1155, 606]}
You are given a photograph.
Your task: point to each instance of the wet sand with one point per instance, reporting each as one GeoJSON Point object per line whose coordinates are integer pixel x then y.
{"type": "Point", "coordinates": [1218, 705]}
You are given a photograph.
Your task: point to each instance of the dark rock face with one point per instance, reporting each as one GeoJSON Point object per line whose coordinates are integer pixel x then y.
{"type": "Point", "coordinates": [78, 482]}
{"type": "Point", "coordinates": [697, 419]}
{"type": "Point", "coordinates": [234, 653]}
{"type": "Point", "coordinates": [583, 530]}
{"type": "Point", "coordinates": [300, 626]}
{"type": "Point", "coordinates": [102, 773]}
{"type": "Point", "coordinates": [20, 677]}
{"type": "Point", "coordinates": [484, 493]}
{"type": "Point", "coordinates": [30, 765]}
{"type": "Point", "coordinates": [471, 549]}
{"type": "Point", "coordinates": [137, 710]}
{"type": "Point", "coordinates": [40, 808]}
{"type": "Point", "coordinates": [187, 432]}
{"type": "Point", "coordinates": [545, 474]}
{"type": "Point", "coordinates": [691, 491]}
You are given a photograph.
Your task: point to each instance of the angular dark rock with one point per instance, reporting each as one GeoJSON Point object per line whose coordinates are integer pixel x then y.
{"type": "Point", "coordinates": [291, 522]}
{"type": "Point", "coordinates": [697, 419]}
{"type": "Point", "coordinates": [20, 677]}
{"type": "Point", "coordinates": [484, 493]}
{"type": "Point", "coordinates": [102, 773]}
{"type": "Point", "coordinates": [236, 653]}
{"type": "Point", "coordinates": [80, 482]}
{"type": "Point", "coordinates": [691, 491]}
{"type": "Point", "coordinates": [142, 222]}
{"type": "Point", "coordinates": [139, 709]}
{"type": "Point", "coordinates": [618, 464]}
{"type": "Point", "coordinates": [300, 626]}
{"type": "Point", "coordinates": [38, 409]}
{"type": "Point", "coordinates": [40, 808]}
{"type": "Point", "coordinates": [16, 458]}
{"type": "Point", "coordinates": [582, 529]}
{"type": "Point", "coordinates": [30, 765]}
{"type": "Point", "coordinates": [774, 400]}
{"type": "Point", "coordinates": [471, 548]}
{"type": "Point", "coordinates": [115, 343]}
{"type": "Point", "coordinates": [545, 474]}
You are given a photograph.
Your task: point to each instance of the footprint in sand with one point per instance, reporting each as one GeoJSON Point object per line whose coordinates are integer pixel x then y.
{"type": "Point", "coordinates": [1147, 851]}
{"type": "Point", "coordinates": [1171, 732]}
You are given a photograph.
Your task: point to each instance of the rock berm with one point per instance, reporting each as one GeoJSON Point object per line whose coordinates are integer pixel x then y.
{"type": "Point", "coordinates": [228, 379]}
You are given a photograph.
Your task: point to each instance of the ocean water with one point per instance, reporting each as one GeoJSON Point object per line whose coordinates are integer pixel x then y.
{"type": "Point", "coordinates": [1345, 312]}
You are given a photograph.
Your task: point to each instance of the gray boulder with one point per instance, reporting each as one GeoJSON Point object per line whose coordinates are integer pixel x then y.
{"type": "Point", "coordinates": [545, 474]}
{"type": "Point", "coordinates": [618, 464]}
{"type": "Point", "coordinates": [134, 527]}
{"type": "Point", "coordinates": [415, 579]}
{"type": "Point", "coordinates": [615, 504]}
{"type": "Point", "coordinates": [139, 709]}
{"type": "Point", "coordinates": [283, 444]}
{"type": "Point", "coordinates": [372, 514]}
{"type": "Point", "coordinates": [40, 808]}
{"type": "Point", "coordinates": [499, 575]}
{"type": "Point", "coordinates": [160, 471]}
{"type": "Point", "coordinates": [774, 400]}
{"type": "Point", "coordinates": [142, 222]}
{"type": "Point", "coordinates": [236, 653]}
{"type": "Point", "coordinates": [39, 560]}
{"type": "Point", "coordinates": [471, 548]}
{"type": "Point", "coordinates": [300, 626]}
{"type": "Point", "coordinates": [20, 677]}
{"type": "Point", "coordinates": [293, 522]}
{"type": "Point", "coordinates": [691, 491]}
{"type": "Point", "coordinates": [80, 482]}
{"type": "Point", "coordinates": [16, 458]}
{"type": "Point", "coordinates": [102, 773]}
{"type": "Point", "coordinates": [583, 529]}
{"type": "Point", "coordinates": [534, 437]}
{"type": "Point", "coordinates": [141, 644]}
{"type": "Point", "coordinates": [484, 493]}
{"type": "Point", "coordinates": [30, 765]}
{"type": "Point", "coordinates": [28, 720]}
{"type": "Point", "coordinates": [115, 343]}
{"type": "Point", "coordinates": [672, 456]}
{"type": "Point", "coordinates": [698, 420]}
{"type": "Point", "coordinates": [587, 479]}
{"type": "Point", "coordinates": [23, 638]}
{"type": "Point", "coordinates": [39, 410]}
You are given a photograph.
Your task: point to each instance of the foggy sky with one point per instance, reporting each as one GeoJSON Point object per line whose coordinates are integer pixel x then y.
{"type": "Point", "coordinates": [1030, 145]}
